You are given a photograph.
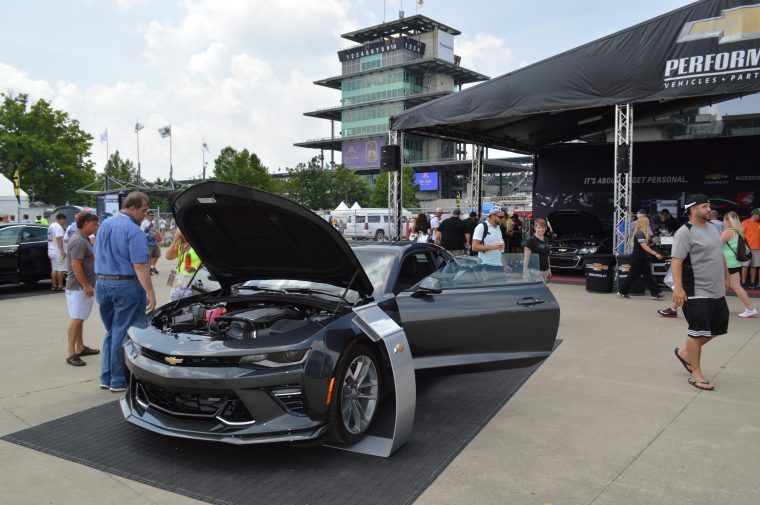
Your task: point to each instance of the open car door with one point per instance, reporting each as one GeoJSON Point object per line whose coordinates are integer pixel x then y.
{"type": "Point", "coordinates": [462, 314]}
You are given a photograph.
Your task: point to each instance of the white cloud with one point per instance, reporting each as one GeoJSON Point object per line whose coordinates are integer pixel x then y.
{"type": "Point", "coordinates": [486, 53]}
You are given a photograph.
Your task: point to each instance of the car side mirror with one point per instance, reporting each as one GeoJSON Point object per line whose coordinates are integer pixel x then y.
{"type": "Point", "coordinates": [428, 286]}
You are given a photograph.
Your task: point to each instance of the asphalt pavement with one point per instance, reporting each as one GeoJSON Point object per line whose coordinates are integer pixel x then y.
{"type": "Point", "coordinates": [608, 419]}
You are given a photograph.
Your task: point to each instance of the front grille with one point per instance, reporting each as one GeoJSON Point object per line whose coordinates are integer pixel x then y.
{"type": "Point", "coordinates": [199, 361]}
{"type": "Point", "coordinates": [291, 398]}
{"type": "Point", "coordinates": [563, 250]}
{"type": "Point", "coordinates": [225, 407]}
{"type": "Point", "coordinates": [565, 262]}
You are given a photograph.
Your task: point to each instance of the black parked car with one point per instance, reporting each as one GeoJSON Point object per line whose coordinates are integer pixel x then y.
{"type": "Point", "coordinates": [23, 253]}
{"type": "Point", "coordinates": [576, 234]}
{"type": "Point", "coordinates": [275, 355]}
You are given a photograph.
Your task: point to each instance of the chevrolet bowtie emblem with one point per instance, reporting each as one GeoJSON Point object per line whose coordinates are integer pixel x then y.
{"type": "Point", "coordinates": [733, 25]}
{"type": "Point", "coordinates": [399, 348]}
{"type": "Point", "coordinates": [172, 360]}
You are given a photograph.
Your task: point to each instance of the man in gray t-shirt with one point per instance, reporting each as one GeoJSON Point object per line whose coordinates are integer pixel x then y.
{"type": "Point", "coordinates": [80, 287]}
{"type": "Point", "coordinates": [700, 276]}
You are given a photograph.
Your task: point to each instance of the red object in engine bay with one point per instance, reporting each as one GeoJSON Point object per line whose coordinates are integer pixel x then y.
{"type": "Point", "coordinates": [212, 314]}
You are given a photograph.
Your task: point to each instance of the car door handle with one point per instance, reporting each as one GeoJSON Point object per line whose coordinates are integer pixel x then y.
{"type": "Point", "coordinates": [530, 301]}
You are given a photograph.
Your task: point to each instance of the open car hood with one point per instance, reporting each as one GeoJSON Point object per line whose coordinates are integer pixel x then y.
{"type": "Point", "coordinates": [575, 223]}
{"type": "Point", "coordinates": [242, 234]}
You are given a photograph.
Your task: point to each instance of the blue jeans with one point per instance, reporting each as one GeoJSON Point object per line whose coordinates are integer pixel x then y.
{"type": "Point", "coordinates": [122, 304]}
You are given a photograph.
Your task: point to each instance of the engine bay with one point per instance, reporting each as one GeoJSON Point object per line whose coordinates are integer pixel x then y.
{"type": "Point", "coordinates": [238, 320]}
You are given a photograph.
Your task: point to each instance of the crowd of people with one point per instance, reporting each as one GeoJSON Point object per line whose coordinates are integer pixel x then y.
{"type": "Point", "coordinates": [113, 268]}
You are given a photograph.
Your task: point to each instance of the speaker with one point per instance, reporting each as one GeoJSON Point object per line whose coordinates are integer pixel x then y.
{"type": "Point", "coordinates": [390, 158]}
{"type": "Point", "coordinates": [623, 159]}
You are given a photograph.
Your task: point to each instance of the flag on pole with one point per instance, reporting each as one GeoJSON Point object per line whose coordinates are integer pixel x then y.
{"type": "Point", "coordinates": [166, 131]}
{"type": "Point", "coordinates": [204, 148]}
{"type": "Point", "coordinates": [104, 136]}
{"type": "Point", "coordinates": [17, 186]}
{"type": "Point", "coordinates": [138, 127]}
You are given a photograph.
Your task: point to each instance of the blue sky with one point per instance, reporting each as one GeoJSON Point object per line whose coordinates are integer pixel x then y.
{"type": "Point", "coordinates": [240, 72]}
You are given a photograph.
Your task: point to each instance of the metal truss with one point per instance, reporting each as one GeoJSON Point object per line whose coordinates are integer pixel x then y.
{"type": "Point", "coordinates": [475, 199]}
{"type": "Point", "coordinates": [395, 192]}
{"type": "Point", "coordinates": [623, 182]}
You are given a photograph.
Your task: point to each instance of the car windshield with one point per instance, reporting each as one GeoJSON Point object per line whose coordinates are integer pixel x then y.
{"type": "Point", "coordinates": [377, 265]}
{"type": "Point", "coordinates": [9, 235]}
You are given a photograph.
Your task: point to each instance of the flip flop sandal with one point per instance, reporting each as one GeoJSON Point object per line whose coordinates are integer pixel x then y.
{"type": "Point", "coordinates": [88, 351]}
{"type": "Point", "coordinates": [686, 365]}
{"type": "Point", "coordinates": [696, 384]}
{"type": "Point", "coordinates": [75, 360]}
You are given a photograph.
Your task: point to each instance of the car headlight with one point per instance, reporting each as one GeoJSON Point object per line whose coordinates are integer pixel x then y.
{"type": "Point", "coordinates": [274, 359]}
{"type": "Point", "coordinates": [136, 348]}
{"type": "Point", "coordinates": [588, 250]}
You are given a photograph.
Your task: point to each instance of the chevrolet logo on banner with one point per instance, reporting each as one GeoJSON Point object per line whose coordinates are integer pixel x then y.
{"type": "Point", "coordinates": [733, 25]}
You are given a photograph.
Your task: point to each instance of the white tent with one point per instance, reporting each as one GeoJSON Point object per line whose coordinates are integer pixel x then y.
{"type": "Point", "coordinates": [356, 206]}
{"type": "Point", "coordinates": [8, 203]}
{"type": "Point", "coordinates": [342, 206]}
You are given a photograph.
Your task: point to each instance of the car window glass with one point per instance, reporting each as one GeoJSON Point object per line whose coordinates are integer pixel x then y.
{"type": "Point", "coordinates": [439, 260]}
{"type": "Point", "coordinates": [414, 268]}
{"type": "Point", "coordinates": [468, 272]}
{"type": "Point", "coordinates": [35, 234]}
{"type": "Point", "coordinates": [360, 219]}
{"type": "Point", "coordinates": [9, 235]}
{"type": "Point", "coordinates": [377, 266]}
{"type": "Point", "coordinates": [350, 219]}
{"type": "Point", "coordinates": [373, 219]}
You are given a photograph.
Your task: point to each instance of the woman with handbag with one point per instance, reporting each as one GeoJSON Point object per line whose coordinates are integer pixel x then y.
{"type": "Point", "coordinates": [733, 230]}
{"type": "Point", "coordinates": [188, 263]}
{"type": "Point", "coordinates": [421, 229]}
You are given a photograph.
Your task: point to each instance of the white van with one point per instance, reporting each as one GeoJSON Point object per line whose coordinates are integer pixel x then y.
{"type": "Point", "coordinates": [371, 224]}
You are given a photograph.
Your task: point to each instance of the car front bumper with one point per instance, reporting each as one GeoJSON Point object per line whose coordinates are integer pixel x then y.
{"type": "Point", "coordinates": [230, 404]}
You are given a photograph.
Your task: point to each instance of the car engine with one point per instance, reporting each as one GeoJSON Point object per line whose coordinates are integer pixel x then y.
{"type": "Point", "coordinates": [223, 322]}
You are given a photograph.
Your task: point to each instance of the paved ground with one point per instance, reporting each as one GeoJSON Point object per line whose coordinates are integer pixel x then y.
{"type": "Point", "coordinates": [608, 419]}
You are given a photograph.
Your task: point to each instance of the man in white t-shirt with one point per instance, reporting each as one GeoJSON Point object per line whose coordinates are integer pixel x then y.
{"type": "Point", "coordinates": [489, 249]}
{"type": "Point", "coordinates": [435, 222]}
{"type": "Point", "coordinates": [55, 251]}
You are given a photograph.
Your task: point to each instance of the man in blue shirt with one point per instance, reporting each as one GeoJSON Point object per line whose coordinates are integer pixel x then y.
{"type": "Point", "coordinates": [123, 289]}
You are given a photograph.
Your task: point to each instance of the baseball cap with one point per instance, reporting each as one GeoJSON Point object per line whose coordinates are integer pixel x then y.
{"type": "Point", "coordinates": [697, 199]}
{"type": "Point", "coordinates": [495, 209]}
{"type": "Point", "coordinates": [755, 212]}
{"type": "Point", "coordinates": [641, 213]}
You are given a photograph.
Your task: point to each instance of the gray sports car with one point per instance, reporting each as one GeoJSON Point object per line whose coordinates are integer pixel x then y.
{"type": "Point", "coordinates": [275, 354]}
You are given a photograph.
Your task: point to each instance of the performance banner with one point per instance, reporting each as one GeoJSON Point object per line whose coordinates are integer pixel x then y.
{"type": "Point", "coordinates": [580, 176]}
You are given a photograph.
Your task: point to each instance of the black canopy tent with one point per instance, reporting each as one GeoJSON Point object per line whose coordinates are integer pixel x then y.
{"type": "Point", "coordinates": [700, 54]}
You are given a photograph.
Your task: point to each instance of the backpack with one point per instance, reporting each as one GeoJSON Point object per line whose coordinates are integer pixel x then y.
{"type": "Point", "coordinates": [743, 251]}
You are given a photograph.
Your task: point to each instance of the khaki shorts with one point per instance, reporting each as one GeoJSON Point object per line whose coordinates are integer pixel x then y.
{"type": "Point", "coordinates": [755, 260]}
{"type": "Point", "coordinates": [154, 251]}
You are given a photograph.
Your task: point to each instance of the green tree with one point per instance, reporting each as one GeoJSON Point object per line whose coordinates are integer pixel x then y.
{"type": "Point", "coordinates": [347, 186]}
{"type": "Point", "coordinates": [309, 184]}
{"type": "Point", "coordinates": [243, 168]}
{"type": "Point", "coordinates": [122, 170]}
{"type": "Point", "coordinates": [49, 148]}
{"type": "Point", "coordinates": [409, 188]}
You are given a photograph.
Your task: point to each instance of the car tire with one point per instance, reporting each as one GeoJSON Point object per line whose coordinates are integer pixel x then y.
{"type": "Point", "coordinates": [356, 394]}
{"type": "Point", "coordinates": [379, 235]}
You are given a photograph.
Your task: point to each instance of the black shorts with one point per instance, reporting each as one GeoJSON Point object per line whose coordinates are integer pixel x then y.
{"type": "Point", "coordinates": [732, 271]}
{"type": "Point", "coordinates": [707, 317]}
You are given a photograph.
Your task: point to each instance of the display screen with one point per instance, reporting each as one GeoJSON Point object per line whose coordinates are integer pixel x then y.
{"type": "Point", "coordinates": [427, 181]}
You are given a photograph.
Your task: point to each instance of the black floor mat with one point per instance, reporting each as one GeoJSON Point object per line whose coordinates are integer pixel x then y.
{"type": "Point", "coordinates": [451, 409]}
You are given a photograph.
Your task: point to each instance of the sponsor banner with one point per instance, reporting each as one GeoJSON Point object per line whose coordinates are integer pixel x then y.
{"type": "Point", "coordinates": [580, 176]}
{"type": "Point", "coordinates": [364, 153]}
{"type": "Point", "coordinates": [446, 46]}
